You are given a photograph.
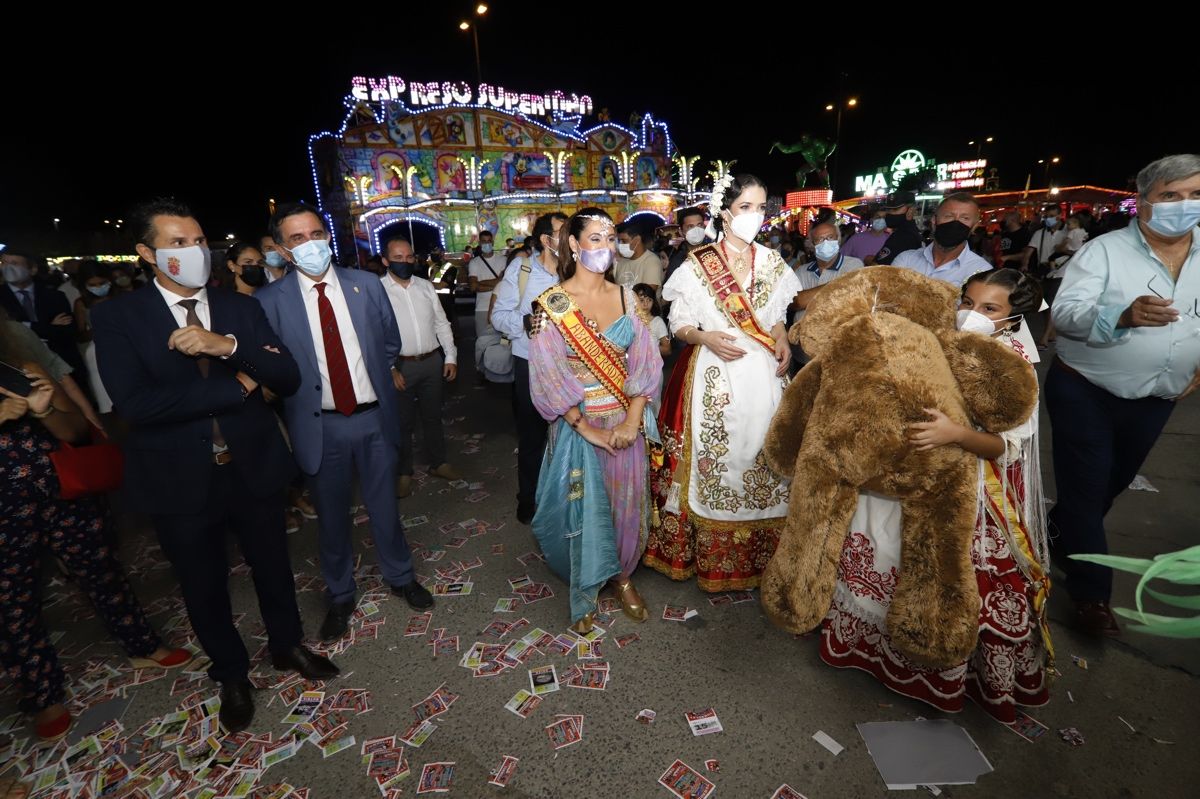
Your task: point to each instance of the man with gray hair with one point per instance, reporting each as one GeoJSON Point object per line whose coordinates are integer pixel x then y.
{"type": "Point", "coordinates": [948, 257]}
{"type": "Point", "coordinates": [1128, 319]}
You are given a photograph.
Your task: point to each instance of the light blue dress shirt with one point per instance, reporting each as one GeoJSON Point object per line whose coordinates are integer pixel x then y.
{"type": "Point", "coordinates": [508, 314]}
{"type": "Point", "coordinates": [954, 272]}
{"type": "Point", "coordinates": [1102, 280]}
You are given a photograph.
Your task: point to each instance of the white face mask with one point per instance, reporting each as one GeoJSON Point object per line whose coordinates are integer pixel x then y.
{"type": "Point", "coordinates": [190, 267]}
{"type": "Point", "coordinates": [879, 225]}
{"type": "Point", "coordinates": [625, 250]}
{"type": "Point", "coordinates": [695, 236]}
{"type": "Point", "coordinates": [746, 226]}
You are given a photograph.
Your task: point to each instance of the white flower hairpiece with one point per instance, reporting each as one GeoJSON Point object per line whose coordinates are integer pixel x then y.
{"type": "Point", "coordinates": [603, 220]}
{"type": "Point", "coordinates": [716, 201]}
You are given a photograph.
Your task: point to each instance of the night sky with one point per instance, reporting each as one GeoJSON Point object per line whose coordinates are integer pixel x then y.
{"type": "Point", "coordinates": [223, 123]}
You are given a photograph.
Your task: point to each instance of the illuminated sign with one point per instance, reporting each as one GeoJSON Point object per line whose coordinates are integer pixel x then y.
{"type": "Point", "coordinates": [425, 95]}
{"type": "Point", "coordinates": [807, 198]}
{"type": "Point", "coordinates": [961, 175]}
{"type": "Point", "coordinates": [951, 176]}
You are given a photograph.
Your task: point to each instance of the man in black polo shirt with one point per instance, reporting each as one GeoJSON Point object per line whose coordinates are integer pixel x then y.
{"type": "Point", "coordinates": [898, 209]}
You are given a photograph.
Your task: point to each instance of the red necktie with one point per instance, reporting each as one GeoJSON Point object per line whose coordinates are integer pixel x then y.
{"type": "Point", "coordinates": [340, 382]}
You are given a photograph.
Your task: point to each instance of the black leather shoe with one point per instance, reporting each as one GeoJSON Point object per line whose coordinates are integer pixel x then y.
{"type": "Point", "coordinates": [308, 665]}
{"type": "Point", "coordinates": [525, 512]}
{"type": "Point", "coordinates": [237, 705]}
{"type": "Point", "coordinates": [415, 595]}
{"type": "Point", "coordinates": [337, 621]}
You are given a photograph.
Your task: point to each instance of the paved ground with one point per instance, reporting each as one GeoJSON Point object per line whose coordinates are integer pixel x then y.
{"type": "Point", "coordinates": [769, 689]}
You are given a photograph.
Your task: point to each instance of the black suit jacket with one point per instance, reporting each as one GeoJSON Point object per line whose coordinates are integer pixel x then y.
{"type": "Point", "coordinates": [48, 303]}
{"type": "Point", "coordinates": [170, 406]}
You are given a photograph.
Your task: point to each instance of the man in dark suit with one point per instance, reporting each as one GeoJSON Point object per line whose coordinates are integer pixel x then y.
{"type": "Point", "coordinates": [345, 416]}
{"type": "Point", "coordinates": [184, 366]}
{"type": "Point", "coordinates": [41, 308]}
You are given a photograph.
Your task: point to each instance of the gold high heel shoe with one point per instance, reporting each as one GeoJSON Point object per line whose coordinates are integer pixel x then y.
{"type": "Point", "coordinates": [584, 625]}
{"type": "Point", "coordinates": [635, 610]}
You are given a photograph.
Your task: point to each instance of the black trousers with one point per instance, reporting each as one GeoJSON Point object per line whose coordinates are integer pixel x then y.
{"type": "Point", "coordinates": [1100, 441]}
{"type": "Point", "coordinates": [531, 434]}
{"type": "Point", "coordinates": [195, 545]}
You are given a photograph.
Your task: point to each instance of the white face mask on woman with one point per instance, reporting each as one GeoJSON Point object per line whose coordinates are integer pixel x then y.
{"type": "Point", "coordinates": [746, 226]}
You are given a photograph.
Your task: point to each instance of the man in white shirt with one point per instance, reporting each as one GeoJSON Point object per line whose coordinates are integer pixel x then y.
{"type": "Point", "coordinates": [1128, 319]}
{"type": "Point", "coordinates": [948, 257]}
{"type": "Point", "coordinates": [427, 357]}
{"type": "Point", "coordinates": [1047, 239]}
{"type": "Point", "coordinates": [484, 274]}
{"type": "Point", "coordinates": [637, 263]}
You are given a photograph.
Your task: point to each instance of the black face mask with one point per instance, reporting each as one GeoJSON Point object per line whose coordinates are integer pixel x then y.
{"type": "Point", "coordinates": [950, 234]}
{"type": "Point", "coordinates": [401, 269]}
{"type": "Point", "coordinates": [254, 276]}
{"type": "Point", "coordinates": [895, 220]}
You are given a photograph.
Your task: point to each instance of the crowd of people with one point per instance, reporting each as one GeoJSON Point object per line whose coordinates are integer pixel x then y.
{"type": "Point", "coordinates": [248, 394]}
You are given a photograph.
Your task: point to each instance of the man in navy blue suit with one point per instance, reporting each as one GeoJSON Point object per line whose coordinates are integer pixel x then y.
{"type": "Point", "coordinates": [42, 309]}
{"type": "Point", "coordinates": [184, 366]}
{"type": "Point", "coordinates": [345, 416]}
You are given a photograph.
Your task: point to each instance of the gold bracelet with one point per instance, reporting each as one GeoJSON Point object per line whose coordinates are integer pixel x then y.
{"type": "Point", "coordinates": [45, 413]}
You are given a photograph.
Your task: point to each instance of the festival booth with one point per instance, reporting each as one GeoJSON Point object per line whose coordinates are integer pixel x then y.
{"type": "Point", "coordinates": [1070, 199]}
{"type": "Point", "coordinates": [453, 160]}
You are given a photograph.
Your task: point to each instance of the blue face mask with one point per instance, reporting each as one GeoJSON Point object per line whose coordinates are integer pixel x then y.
{"type": "Point", "coordinates": [1050, 221]}
{"type": "Point", "coordinates": [827, 250]}
{"type": "Point", "coordinates": [275, 259]}
{"type": "Point", "coordinates": [313, 257]}
{"type": "Point", "coordinates": [879, 225]}
{"type": "Point", "coordinates": [100, 291]}
{"type": "Point", "coordinates": [1175, 218]}
{"type": "Point", "coordinates": [486, 248]}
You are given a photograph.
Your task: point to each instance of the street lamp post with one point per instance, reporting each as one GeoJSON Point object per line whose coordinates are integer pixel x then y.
{"type": "Point", "coordinates": [1048, 163]}
{"type": "Point", "coordinates": [978, 144]}
{"type": "Point", "coordinates": [837, 137]}
{"type": "Point", "coordinates": [480, 10]}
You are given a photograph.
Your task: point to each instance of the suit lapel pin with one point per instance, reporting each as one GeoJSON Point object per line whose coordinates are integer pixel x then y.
{"type": "Point", "coordinates": [356, 289]}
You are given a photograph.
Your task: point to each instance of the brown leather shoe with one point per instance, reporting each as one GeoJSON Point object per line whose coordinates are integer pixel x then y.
{"type": "Point", "coordinates": [1096, 618]}
{"type": "Point", "coordinates": [304, 505]}
{"type": "Point", "coordinates": [446, 472]}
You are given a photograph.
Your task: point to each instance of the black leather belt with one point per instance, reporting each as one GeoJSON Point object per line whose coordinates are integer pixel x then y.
{"type": "Point", "coordinates": [363, 406]}
{"type": "Point", "coordinates": [429, 354]}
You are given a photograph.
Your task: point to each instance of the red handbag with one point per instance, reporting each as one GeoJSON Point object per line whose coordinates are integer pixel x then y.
{"type": "Point", "coordinates": [95, 468]}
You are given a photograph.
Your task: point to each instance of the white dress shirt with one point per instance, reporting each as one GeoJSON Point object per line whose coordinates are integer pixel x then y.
{"type": "Point", "coordinates": [420, 317]}
{"type": "Point", "coordinates": [180, 313]}
{"type": "Point", "coordinates": [1102, 280]}
{"type": "Point", "coordinates": [364, 392]}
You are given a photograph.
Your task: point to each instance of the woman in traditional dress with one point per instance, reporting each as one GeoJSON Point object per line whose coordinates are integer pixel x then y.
{"type": "Point", "coordinates": [721, 506]}
{"type": "Point", "coordinates": [1009, 665]}
{"type": "Point", "coordinates": [593, 369]}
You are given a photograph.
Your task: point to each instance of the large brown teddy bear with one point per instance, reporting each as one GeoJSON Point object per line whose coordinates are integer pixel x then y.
{"type": "Point", "coordinates": [884, 346]}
